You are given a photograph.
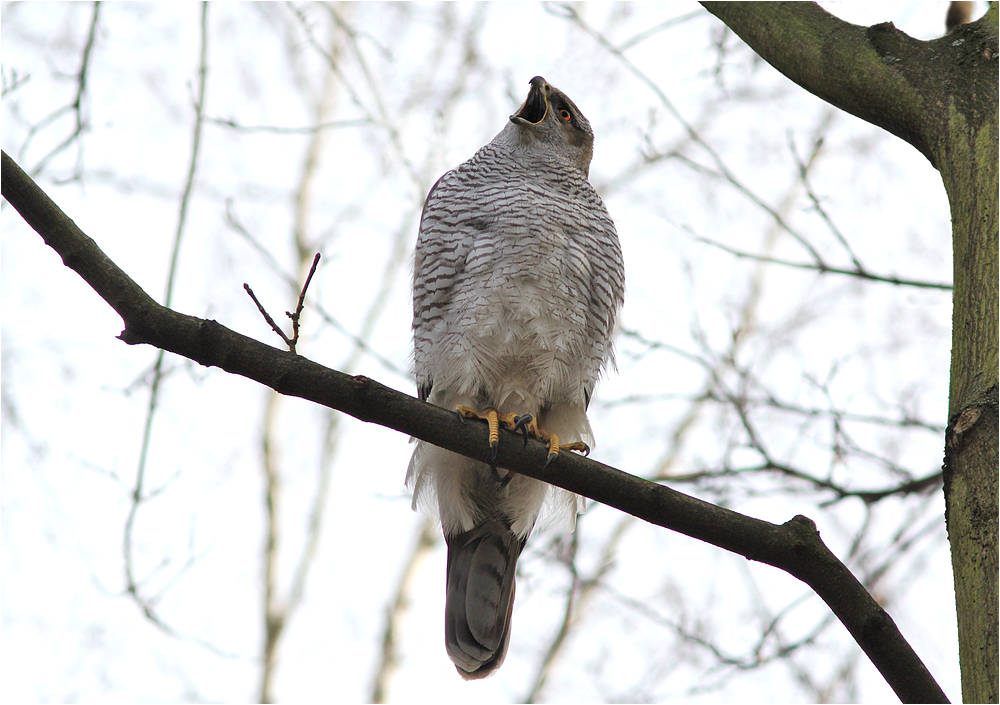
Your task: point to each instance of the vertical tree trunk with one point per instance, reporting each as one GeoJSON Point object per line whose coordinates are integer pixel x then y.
{"type": "Point", "coordinates": [967, 160]}
{"type": "Point", "coordinates": [970, 476]}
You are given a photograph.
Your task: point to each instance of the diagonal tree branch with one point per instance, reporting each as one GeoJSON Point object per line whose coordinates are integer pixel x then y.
{"type": "Point", "coordinates": [876, 73]}
{"type": "Point", "coordinates": [794, 546]}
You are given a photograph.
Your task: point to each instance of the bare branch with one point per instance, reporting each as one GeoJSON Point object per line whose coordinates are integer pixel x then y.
{"type": "Point", "coordinates": [877, 73]}
{"type": "Point", "coordinates": [794, 546]}
{"type": "Point", "coordinates": [388, 662]}
{"type": "Point", "coordinates": [279, 130]}
{"type": "Point", "coordinates": [12, 81]}
{"type": "Point", "coordinates": [275, 617]}
{"type": "Point", "coordinates": [569, 613]}
{"type": "Point", "coordinates": [824, 268]}
{"type": "Point", "coordinates": [267, 317]}
{"type": "Point", "coordinates": [76, 106]}
{"type": "Point", "coordinates": [570, 12]}
{"type": "Point", "coordinates": [138, 494]}
{"type": "Point", "coordinates": [290, 342]}
{"type": "Point", "coordinates": [646, 34]}
{"type": "Point", "coordinates": [356, 340]}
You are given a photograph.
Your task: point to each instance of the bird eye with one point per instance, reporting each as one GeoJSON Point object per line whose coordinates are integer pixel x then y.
{"type": "Point", "coordinates": [564, 114]}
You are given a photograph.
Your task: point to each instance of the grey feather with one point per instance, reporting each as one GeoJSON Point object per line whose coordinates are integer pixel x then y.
{"type": "Point", "coordinates": [480, 597]}
{"type": "Point", "coordinates": [518, 281]}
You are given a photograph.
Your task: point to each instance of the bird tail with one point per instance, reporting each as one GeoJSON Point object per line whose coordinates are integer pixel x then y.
{"type": "Point", "coordinates": [480, 596]}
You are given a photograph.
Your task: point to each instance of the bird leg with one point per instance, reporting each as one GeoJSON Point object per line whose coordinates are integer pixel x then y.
{"type": "Point", "coordinates": [493, 420]}
{"type": "Point", "coordinates": [527, 424]}
{"type": "Point", "coordinates": [524, 424]}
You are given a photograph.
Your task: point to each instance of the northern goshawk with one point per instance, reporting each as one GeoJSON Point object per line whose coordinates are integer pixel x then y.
{"type": "Point", "coordinates": [517, 285]}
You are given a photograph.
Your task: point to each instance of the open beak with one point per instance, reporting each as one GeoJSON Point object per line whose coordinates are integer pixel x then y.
{"type": "Point", "coordinates": [536, 105]}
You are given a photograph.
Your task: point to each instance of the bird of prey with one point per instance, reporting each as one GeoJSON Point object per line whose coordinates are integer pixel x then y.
{"type": "Point", "coordinates": [518, 281]}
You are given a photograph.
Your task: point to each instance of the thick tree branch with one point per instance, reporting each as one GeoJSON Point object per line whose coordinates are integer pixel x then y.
{"type": "Point", "coordinates": [794, 546]}
{"type": "Point", "coordinates": [878, 73]}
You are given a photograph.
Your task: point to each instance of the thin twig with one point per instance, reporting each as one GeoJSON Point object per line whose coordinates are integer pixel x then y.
{"type": "Point", "coordinates": [290, 342]}
{"type": "Point", "coordinates": [824, 268]}
{"type": "Point", "coordinates": [565, 624]}
{"type": "Point", "coordinates": [389, 661]}
{"type": "Point", "coordinates": [818, 206]}
{"type": "Point", "coordinates": [12, 81]}
{"type": "Point", "coordinates": [269, 258]}
{"type": "Point", "coordinates": [298, 307]}
{"type": "Point", "coordinates": [647, 33]}
{"type": "Point", "coordinates": [267, 317]}
{"type": "Point", "coordinates": [279, 130]}
{"type": "Point", "coordinates": [138, 494]}
{"type": "Point", "coordinates": [568, 11]}
{"type": "Point", "coordinates": [279, 611]}
{"type": "Point", "coordinates": [383, 120]}
{"type": "Point", "coordinates": [76, 106]}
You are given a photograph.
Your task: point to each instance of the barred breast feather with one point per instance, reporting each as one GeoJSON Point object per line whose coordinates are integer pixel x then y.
{"type": "Point", "coordinates": [517, 285]}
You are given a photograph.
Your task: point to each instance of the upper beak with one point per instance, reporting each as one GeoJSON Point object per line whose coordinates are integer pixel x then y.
{"type": "Point", "coordinates": [536, 105]}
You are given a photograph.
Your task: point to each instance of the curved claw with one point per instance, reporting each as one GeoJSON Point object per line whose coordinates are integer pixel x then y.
{"type": "Point", "coordinates": [521, 424]}
{"type": "Point", "coordinates": [502, 480]}
{"type": "Point", "coordinates": [494, 449]}
{"type": "Point", "coordinates": [556, 447]}
{"type": "Point", "coordinates": [461, 416]}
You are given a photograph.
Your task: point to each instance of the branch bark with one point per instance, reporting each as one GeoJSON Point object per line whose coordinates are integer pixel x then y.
{"type": "Point", "coordinates": [877, 73]}
{"type": "Point", "coordinates": [794, 546]}
{"type": "Point", "coordinates": [941, 96]}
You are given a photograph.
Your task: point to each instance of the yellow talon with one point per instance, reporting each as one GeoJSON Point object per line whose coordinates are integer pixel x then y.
{"type": "Point", "coordinates": [489, 416]}
{"type": "Point", "coordinates": [494, 424]}
{"type": "Point", "coordinates": [555, 447]}
{"type": "Point", "coordinates": [525, 423]}
{"type": "Point", "coordinates": [493, 421]}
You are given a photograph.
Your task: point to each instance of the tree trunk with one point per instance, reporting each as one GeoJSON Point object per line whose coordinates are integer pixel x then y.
{"type": "Point", "coordinates": [941, 97]}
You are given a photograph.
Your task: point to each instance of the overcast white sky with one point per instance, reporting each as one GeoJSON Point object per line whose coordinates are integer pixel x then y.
{"type": "Point", "coordinates": [430, 85]}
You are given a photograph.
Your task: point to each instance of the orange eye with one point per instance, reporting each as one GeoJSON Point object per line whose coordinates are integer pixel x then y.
{"type": "Point", "coordinates": [564, 114]}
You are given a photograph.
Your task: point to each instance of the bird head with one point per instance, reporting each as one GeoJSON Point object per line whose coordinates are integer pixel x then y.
{"type": "Point", "coordinates": [549, 117]}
